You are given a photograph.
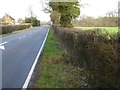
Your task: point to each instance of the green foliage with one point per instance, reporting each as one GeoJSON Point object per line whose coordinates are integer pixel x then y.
{"type": "Point", "coordinates": [68, 11]}
{"type": "Point", "coordinates": [33, 21]}
{"type": "Point", "coordinates": [27, 20]}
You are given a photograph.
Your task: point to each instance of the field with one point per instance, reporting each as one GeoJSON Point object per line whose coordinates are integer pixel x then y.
{"type": "Point", "coordinates": [110, 30]}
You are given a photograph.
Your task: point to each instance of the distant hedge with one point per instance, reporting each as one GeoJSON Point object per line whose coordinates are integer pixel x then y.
{"type": "Point", "coordinates": [98, 53]}
{"type": "Point", "coordinates": [4, 29]}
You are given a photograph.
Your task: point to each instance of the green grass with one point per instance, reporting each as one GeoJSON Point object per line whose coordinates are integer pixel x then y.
{"type": "Point", "coordinates": [111, 30]}
{"type": "Point", "coordinates": [53, 71]}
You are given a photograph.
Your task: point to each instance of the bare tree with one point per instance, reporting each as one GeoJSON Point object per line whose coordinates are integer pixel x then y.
{"type": "Point", "coordinates": [31, 11]}
{"type": "Point", "coordinates": [45, 6]}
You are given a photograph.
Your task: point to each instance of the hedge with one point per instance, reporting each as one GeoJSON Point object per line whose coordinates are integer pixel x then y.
{"type": "Point", "coordinates": [9, 28]}
{"type": "Point", "coordinates": [96, 52]}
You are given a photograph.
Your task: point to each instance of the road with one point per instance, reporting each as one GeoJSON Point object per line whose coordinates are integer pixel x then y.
{"type": "Point", "coordinates": [18, 55]}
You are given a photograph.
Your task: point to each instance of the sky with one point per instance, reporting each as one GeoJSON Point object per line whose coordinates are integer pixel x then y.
{"type": "Point", "coordinates": [97, 8]}
{"type": "Point", "coordinates": [20, 8]}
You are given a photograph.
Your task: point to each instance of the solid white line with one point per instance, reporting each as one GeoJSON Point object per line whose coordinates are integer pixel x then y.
{"type": "Point", "coordinates": [21, 37]}
{"type": "Point", "coordinates": [3, 43]}
{"type": "Point", "coordinates": [34, 64]}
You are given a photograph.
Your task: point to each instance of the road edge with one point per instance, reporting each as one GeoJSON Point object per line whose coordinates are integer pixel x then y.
{"type": "Point", "coordinates": [25, 85]}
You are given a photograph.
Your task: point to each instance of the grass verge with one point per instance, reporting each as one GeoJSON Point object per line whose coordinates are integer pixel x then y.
{"type": "Point", "coordinates": [53, 71]}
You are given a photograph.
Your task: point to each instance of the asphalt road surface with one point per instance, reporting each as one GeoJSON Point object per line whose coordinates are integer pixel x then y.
{"type": "Point", "coordinates": [18, 54]}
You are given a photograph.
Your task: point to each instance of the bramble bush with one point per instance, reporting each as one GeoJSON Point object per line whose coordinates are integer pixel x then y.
{"type": "Point", "coordinates": [93, 50]}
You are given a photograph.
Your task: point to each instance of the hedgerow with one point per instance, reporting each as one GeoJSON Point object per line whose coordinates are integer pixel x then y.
{"type": "Point", "coordinates": [10, 28]}
{"type": "Point", "coordinates": [95, 51]}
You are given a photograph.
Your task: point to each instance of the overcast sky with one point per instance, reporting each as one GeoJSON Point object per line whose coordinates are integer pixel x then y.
{"type": "Point", "coordinates": [20, 8]}
{"type": "Point", "coordinates": [98, 8]}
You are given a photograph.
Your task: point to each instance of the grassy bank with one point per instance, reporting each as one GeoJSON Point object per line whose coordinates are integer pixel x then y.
{"type": "Point", "coordinates": [53, 71]}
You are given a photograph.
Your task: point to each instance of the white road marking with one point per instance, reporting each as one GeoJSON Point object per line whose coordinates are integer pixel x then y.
{"type": "Point", "coordinates": [3, 43]}
{"type": "Point", "coordinates": [2, 47]}
{"type": "Point", "coordinates": [21, 37]}
{"type": "Point", "coordinates": [34, 64]}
